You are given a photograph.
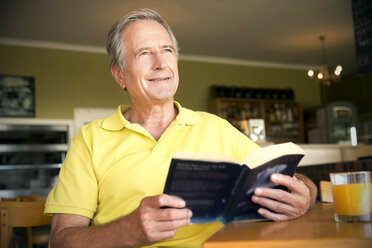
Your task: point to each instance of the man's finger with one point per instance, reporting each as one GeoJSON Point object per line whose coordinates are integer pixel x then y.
{"type": "Point", "coordinates": [273, 205]}
{"type": "Point", "coordinates": [276, 194]}
{"type": "Point", "coordinates": [172, 214]}
{"type": "Point", "coordinates": [291, 183]}
{"type": "Point", "coordinates": [163, 200]}
{"type": "Point", "coordinates": [272, 216]}
{"type": "Point", "coordinates": [166, 226]}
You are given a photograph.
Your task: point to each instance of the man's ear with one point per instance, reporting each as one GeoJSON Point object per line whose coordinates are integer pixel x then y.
{"type": "Point", "coordinates": [118, 75]}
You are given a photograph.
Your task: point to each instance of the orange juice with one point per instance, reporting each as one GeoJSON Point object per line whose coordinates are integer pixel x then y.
{"type": "Point", "coordinates": [352, 199]}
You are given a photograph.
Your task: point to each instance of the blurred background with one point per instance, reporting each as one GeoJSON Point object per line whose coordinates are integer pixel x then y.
{"type": "Point", "coordinates": [267, 66]}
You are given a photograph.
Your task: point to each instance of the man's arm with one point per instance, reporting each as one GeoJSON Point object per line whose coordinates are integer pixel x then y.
{"type": "Point", "coordinates": [146, 225]}
{"type": "Point", "coordinates": [282, 205]}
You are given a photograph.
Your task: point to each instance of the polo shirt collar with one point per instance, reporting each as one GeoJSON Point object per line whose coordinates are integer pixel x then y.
{"type": "Point", "coordinates": [117, 122]}
{"type": "Point", "coordinates": [186, 116]}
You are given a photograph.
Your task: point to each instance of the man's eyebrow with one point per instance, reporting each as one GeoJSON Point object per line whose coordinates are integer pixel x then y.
{"type": "Point", "coordinates": [142, 49]}
{"type": "Point", "coordinates": [148, 48]}
{"type": "Point", "coordinates": [168, 46]}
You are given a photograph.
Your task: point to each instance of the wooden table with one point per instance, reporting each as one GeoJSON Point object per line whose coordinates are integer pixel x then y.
{"type": "Point", "coordinates": [316, 229]}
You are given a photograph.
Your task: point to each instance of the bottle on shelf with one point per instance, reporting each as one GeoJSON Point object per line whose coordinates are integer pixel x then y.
{"type": "Point", "coordinates": [289, 113]}
{"type": "Point", "coordinates": [248, 114]}
{"type": "Point", "coordinates": [271, 113]}
{"type": "Point", "coordinates": [278, 113]}
{"type": "Point", "coordinates": [282, 118]}
{"type": "Point", "coordinates": [283, 113]}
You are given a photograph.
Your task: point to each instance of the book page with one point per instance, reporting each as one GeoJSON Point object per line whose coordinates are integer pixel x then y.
{"type": "Point", "coordinates": [263, 155]}
{"type": "Point", "coordinates": [204, 157]}
{"type": "Point", "coordinates": [243, 207]}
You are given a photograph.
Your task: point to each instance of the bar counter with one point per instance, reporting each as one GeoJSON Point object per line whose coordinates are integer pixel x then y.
{"type": "Point", "coordinates": [317, 228]}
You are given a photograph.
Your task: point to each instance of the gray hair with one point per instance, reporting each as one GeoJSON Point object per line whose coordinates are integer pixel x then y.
{"type": "Point", "coordinates": [116, 48]}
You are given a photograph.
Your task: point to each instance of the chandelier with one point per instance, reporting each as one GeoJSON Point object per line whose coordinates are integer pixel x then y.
{"type": "Point", "coordinates": [326, 75]}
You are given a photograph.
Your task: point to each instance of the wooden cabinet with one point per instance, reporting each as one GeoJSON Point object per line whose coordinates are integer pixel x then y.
{"type": "Point", "coordinates": [283, 118]}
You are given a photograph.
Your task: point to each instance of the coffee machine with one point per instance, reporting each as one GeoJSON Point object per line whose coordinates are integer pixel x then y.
{"type": "Point", "coordinates": [334, 123]}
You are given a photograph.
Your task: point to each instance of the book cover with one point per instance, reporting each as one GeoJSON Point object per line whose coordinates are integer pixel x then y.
{"type": "Point", "coordinates": [219, 188]}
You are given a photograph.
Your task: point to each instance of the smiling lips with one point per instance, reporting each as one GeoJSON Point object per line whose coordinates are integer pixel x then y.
{"type": "Point", "coordinates": [157, 79]}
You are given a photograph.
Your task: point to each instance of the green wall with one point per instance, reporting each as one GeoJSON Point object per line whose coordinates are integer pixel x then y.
{"type": "Point", "coordinates": [63, 79]}
{"type": "Point", "coordinates": [68, 79]}
{"type": "Point", "coordinates": [197, 77]}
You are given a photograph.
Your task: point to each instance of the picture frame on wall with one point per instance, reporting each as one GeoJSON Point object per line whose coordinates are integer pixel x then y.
{"type": "Point", "coordinates": [17, 96]}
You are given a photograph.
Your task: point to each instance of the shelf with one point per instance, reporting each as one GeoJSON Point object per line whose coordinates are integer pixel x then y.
{"type": "Point", "coordinates": [29, 166]}
{"type": "Point", "coordinates": [281, 123]}
{"type": "Point", "coordinates": [10, 148]}
{"type": "Point", "coordinates": [9, 193]}
{"type": "Point", "coordinates": [31, 154]}
{"type": "Point", "coordinates": [283, 118]}
{"type": "Point", "coordinates": [5, 127]}
{"type": "Point", "coordinates": [242, 100]}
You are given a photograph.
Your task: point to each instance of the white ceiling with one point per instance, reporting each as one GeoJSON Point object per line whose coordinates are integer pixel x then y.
{"type": "Point", "coordinates": [270, 31]}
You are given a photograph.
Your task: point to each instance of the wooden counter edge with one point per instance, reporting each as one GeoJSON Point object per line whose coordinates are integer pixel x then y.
{"type": "Point", "coordinates": [319, 243]}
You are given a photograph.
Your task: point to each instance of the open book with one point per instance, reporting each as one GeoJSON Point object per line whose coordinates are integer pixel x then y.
{"type": "Point", "coordinates": [219, 188]}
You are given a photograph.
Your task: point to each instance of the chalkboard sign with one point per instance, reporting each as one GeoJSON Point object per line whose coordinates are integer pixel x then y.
{"type": "Point", "coordinates": [362, 16]}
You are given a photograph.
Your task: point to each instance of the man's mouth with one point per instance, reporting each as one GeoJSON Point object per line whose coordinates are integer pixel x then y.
{"type": "Point", "coordinates": [158, 79]}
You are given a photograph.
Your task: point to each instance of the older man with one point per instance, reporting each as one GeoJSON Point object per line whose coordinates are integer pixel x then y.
{"type": "Point", "coordinates": [109, 192]}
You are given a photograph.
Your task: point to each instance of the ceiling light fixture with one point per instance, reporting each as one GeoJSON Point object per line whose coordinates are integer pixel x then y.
{"type": "Point", "coordinates": [326, 76]}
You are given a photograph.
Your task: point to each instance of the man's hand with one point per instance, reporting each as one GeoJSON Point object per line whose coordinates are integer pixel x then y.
{"type": "Point", "coordinates": [151, 223]}
{"type": "Point", "coordinates": [282, 205]}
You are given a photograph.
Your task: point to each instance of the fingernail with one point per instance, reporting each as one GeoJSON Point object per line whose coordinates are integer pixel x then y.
{"type": "Point", "coordinates": [190, 214]}
{"type": "Point", "coordinates": [274, 176]}
{"type": "Point", "coordinates": [181, 204]}
{"type": "Point", "coordinates": [258, 191]}
{"type": "Point", "coordinates": [254, 198]}
{"type": "Point", "coordinates": [260, 211]}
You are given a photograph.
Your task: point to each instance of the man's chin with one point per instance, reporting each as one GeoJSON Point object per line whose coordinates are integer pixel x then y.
{"type": "Point", "coordinates": [162, 95]}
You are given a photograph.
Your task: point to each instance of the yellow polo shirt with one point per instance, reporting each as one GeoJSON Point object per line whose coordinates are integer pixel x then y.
{"type": "Point", "coordinates": [112, 164]}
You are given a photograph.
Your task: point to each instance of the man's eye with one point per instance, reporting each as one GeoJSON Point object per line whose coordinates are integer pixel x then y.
{"type": "Point", "coordinates": [144, 53]}
{"type": "Point", "coordinates": [168, 50]}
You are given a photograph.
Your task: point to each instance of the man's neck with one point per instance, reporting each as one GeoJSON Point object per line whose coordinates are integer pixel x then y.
{"type": "Point", "coordinates": [155, 118]}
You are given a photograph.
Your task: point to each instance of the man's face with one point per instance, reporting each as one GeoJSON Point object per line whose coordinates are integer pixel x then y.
{"type": "Point", "coordinates": [151, 72]}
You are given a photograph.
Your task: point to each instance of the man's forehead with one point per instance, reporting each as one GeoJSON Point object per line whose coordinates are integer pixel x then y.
{"type": "Point", "coordinates": [143, 30]}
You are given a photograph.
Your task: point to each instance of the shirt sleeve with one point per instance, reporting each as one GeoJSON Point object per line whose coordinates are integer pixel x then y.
{"type": "Point", "coordinates": [77, 190]}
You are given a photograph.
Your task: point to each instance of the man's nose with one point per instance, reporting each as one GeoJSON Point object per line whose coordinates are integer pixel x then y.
{"type": "Point", "coordinates": [160, 62]}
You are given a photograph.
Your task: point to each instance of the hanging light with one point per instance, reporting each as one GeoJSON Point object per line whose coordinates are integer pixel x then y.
{"type": "Point", "coordinates": [325, 75]}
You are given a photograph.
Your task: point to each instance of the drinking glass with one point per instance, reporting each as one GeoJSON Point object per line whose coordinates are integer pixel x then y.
{"type": "Point", "coordinates": [352, 197]}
